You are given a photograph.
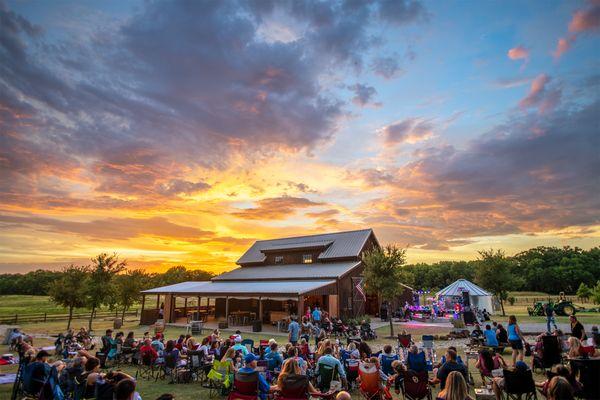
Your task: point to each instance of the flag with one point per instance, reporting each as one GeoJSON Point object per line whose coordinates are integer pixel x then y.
{"type": "Point", "coordinates": [359, 289]}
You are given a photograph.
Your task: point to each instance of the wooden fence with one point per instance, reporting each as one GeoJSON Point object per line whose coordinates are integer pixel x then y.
{"type": "Point", "coordinates": [530, 300]}
{"type": "Point", "coordinates": [45, 317]}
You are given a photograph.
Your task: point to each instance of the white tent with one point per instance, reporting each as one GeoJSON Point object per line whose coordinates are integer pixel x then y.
{"type": "Point", "coordinates": [478, 297]}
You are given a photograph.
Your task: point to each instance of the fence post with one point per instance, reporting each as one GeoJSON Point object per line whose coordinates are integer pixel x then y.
{"type": "Point", "coordinates": [45, 316]}
{"type": "Point", "coordinates": [16, 318]}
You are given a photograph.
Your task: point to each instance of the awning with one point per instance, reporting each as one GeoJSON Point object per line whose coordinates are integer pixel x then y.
{"type": "Point", "coordinates": [462, 285]}
{"type": "Point", "coordinates": [247, 289]}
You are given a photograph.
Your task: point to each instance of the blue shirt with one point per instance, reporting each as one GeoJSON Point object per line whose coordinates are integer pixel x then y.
{"type": "Point", "coordinates": [490, 337]}
{"type": "Point", "coordinates": [333, 362]}
{"type": "Point", "coordinates": [417, 362]}
{"type": "Point", "coordinates": [512, 332]}
{"type": "Point", "coordinates": [316, 314]}
{"type": "Point", "coordinates": [294, 330]}
{"type": "Point", "coordinates": [239, 347]}
{"type": "Point", "coordinates": [263, 386]}
{"type": "Point", "coordinates": [274, 359]}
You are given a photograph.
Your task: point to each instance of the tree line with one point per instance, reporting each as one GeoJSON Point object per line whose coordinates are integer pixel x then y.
{"type": "Point", "coordinates": [106, 282]}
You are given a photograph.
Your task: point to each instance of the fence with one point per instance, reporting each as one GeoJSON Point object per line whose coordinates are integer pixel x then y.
{"type": "Point", "coordinates": [45, 317]}
{"type": "Point", "coordinates": [529, 300]}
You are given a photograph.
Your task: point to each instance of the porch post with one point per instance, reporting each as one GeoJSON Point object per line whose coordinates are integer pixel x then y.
{"type": "Point", "coordinates": [199, 309]}
{"type": "Point", "coordinates": [260, 309]}
{"type": "Point", "coordinates": [227, 309]}
{"type": "Point", "coordinates": [143, 304]}
{"type": "Point", "coordinates": [185, 306]}
{"type": "Point", "coordinates": [300, 307]}
{"type": "Point", "coordinates": [158, 301]}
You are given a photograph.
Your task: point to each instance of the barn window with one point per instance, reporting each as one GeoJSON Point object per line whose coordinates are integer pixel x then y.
{"type": "Point", "coordinates": [307, 259]}
{"type": "Point", "coordinates": [278, 259]}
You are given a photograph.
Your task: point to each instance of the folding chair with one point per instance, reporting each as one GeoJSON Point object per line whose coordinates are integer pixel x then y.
{"type": "Point", "coordinates": [218, 378]}
{"type": "Point", "coordinates": [415, 385]}
{"type": "Point", "coordinates": [386, 363]}
{"type": "Point", "coordinates": [245, 386]}
{"type": "Point", "coordinates": [404, 342]}
{"type": "Point", "coordinates": [519, 385]}
{"type": "Point", "coordinates": [145, 369]}
{"type": "Point", "coordinates": [351, 366]}
{"type": "Point", "coordinates": [370, 388]}
{"type": "Point", "coordinates": [552, 352]}
{"type": "Point", "coordinates": [248, 342]}
{"type": "Point", "coordinates": [325, 376]}
{"type": "Point", "coordinates": [429, 349]}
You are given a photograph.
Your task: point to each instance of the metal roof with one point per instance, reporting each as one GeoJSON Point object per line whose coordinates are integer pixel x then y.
{"type": "Point", "coordinates": [289, 271]}
{"type": "Point", "coordinates": [290, 288]}
{"type": "Point", "coordinates": [344, 244]}
{"type": "Point", "coordinates": [296, 246]}
{"type": "Point", "coordinates": [460, 286]}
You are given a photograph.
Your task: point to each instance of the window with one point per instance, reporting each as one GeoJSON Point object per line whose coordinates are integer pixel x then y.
{"type": "Point", "coordinates": [307, 258]}
{"type": "Point", "coordinates": [278, 259]}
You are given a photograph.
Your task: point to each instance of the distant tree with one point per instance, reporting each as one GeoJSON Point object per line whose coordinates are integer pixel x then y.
{"type": "Point", "coordinates": [383, 273]}
{"type": "Point", "coordinates": [596, 293]}
{"type": "Point", "coordinates": [584, 291]}
{"type": "Point", "coordinates": [67, 291]}
{"type": "Point", "coordinates": [128, 287]}
{"type": "Point", "coordinates": [99, 286]}
{"type": "Point", "coordinates": [494, 273]}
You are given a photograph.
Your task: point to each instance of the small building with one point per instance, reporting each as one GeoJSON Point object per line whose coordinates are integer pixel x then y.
{"type": "Point", "coordinates": [278, 278]}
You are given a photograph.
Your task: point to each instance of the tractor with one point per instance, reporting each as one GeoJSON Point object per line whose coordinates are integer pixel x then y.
{"type": "Point", "coordinates": [562, 308]}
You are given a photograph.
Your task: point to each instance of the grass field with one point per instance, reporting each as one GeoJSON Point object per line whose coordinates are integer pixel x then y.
{"type": "Point", "coordinates": [24, 305]}
{"type": "Point", "coordinates": [43, 333]}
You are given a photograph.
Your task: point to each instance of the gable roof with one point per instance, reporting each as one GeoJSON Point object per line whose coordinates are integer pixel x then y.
{"type": "Point", "coordinates": [332, 270]}
{"type": "Point", "coordinates": [460, 286]}
{"type": "Point", "coordinates": [338, 245]}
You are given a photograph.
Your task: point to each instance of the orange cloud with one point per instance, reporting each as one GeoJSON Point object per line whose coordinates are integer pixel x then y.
{"type": "Point", "coordinates": [583, 20]}
{"type": "Point", "coordinates": [540, 95]}
{"type": "Point", "coordinates": [518, 53]}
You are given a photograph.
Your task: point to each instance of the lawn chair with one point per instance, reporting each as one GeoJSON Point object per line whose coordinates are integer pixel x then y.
{"type": "Point", "coordinates": [146, 367]}
{"type": "Point", "coordinates": [167, 368]}
{"type": "Point", "coordinates": [386, 363]}
{"type": "Point", "coordinates": [197, 365]}
{"type": "Point", "coordinates": [370, 388]}
{"type": "Point", "coordinates": [404, 343]}
{"type": "Point", "coordinates": [351, 366]}
{"type": "Point", "coordinates": [519, 385]}
{"type": "Point", "coordinates": [245, 386]}
{"type": "Point", "coordinates": [415, 385]}
{"type": "Point", "coordinates": [552, 351]}
{"type": "Point", "coordinates": [219, 378]}
{"type": "Point", "coordinates": [326, 375]}
{"type": "Point", "coordinates": [429, 350]}
{"type": "Point", "coordinates": [249, 344]}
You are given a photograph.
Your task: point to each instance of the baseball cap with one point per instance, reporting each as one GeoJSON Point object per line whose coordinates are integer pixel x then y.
{"type": "Point", "coordinates": [521, 365]}
{"type": "Point", "coordinates": [250, 357]}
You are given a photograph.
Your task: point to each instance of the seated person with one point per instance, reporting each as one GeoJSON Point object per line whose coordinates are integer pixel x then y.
{"type": "Point", "coordinates": [294, 352]}
{"type": "Point", "coordinates": [158, 344]}
{"type": "Point", "coordinates": [172, 351]}
{"type": "Point", "coordinates": [490, 337]}
{"type": "Point", "coordinates": [148, 352]}
{"type": "Point", "coordinates": [238, 347]}
{"type": "Point", "coordinates": [107, 341]}
{"type": "Point", "coordinates": [273, 358]}
{"type": "Point", "coordinates": [36, 373]}
{"type": "Point", "coordinates": [458, 358]}
{"type": "Point", "coordinates": [488, 361]}
{"type": "Point", "coordinates": [386, 358]}
{"type": "Point", "coordinates": [90, 375]}
{"type": "Point", "coordinates": [455, 388]}
{"type": "Point", "coordinates": [562, 371]}
{"type": "Point", "coordinates": [477, 332]}
{"type": "Point", "coordinates": [398, 375]}
{"type": "Point", "coordinates": [416, 360]}
{"type": "Point", "coordinates": [328, 359]}
{"type": "Point", "coordinates": [107, 383]}
{"type": "Point", "coordinates": [502, 335]}
{"type": "Point", "coordinates": [125, 390]}
{"type": "Point", "coordinates": [560, 389]}
{"type": "Point", "coordinates": [292, 383]}
{"type": "Point", "coordinates": [450, 365]}
{"type": "Point", "coordinates": [250, 361]}
{"type": "Point", "coordinates": [130, 341]}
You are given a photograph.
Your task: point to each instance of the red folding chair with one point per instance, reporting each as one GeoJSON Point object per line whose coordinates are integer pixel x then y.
{"type": "Point", "coordinates": [245, 386]}
{"type": "Point", "coordinates": [416, 385]}
{"type": "Point", "coordinates": [370, 387]}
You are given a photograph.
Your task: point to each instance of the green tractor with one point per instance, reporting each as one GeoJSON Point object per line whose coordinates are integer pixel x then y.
{"type": "Point", "coordinates": [562, 308]}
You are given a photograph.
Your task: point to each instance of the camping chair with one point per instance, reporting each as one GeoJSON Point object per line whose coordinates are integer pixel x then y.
{"type": "Point", "coordinates": [519, 385]}
{"type": "Point", "coordinates": [219, 378]}
{"type": "Point", "coordinates": [51, 389]}
{"type": "Point", "coordinates": [552, 352]}
{"type": "Point", "coordinates": [386, 363]}
{"type": "Point", "coordinates": [245, 386]}
{"type": "Point", "coordinates": [369, 383]}
{"type": "Point", "coordinates": [325, 376]}
{"type": "Point", "coordinates": [248, 342]}
{"type": "Point", "coordinates": [145, 369]}
{"type": "Point", "coordinates": [404, 342]}
{"type": "Point", "coordinates": [415, 385]}
{"type": "Point", "coordinates": [197, 365]}
{"type": "Point", "coordinates": [429, 349]}
{"type": "Point", "coordinates": [167, 368]}
{"type": "Point", "coordinates": [351, 366]}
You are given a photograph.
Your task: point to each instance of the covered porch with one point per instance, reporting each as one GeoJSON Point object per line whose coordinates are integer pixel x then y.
{"type": "Point", "coordinates": [237, 303]}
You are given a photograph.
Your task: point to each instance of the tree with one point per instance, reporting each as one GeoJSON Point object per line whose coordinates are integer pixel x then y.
{"type": "Point", "coordinates": [494, 273]}
{"type": "Point", "coordinates": [128, 287]}
{"type": "Point", "coordinates": [68, 291]}
{"type": "Point", "coordinates": [99, 284]}
{"type": "Point", "coordinates": [584, 291]}
{"type": "Point", "coordinates": [596, 293]}
{"type": "Point", "coordinates": [383, 273]}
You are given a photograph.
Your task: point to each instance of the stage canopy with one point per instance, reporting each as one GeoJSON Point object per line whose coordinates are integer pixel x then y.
{"type": "Point", "coordinates": [478, 297]}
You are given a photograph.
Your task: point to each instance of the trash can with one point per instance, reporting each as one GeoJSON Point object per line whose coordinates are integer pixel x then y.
{"type": "Point", "coordinates": [257, 325]}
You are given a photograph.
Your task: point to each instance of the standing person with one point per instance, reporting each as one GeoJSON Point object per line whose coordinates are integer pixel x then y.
{"type": "Point", "coordinates": [293, 331]}
{"type": "Point", "coordinates": [549, 311]}
{"type": "Point", "coordinates": [307, 328]}
{"type": "Point", "coordinates": [577, 329]}
{"type": "Point", "coordinates": [515, 338]}
{"type": "Point", "coordinates": [316, 316]}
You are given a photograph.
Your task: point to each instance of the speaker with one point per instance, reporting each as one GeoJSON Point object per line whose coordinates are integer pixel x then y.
{"type": "Point", "coordinates": [466, 299]}
{"type": "Point", "coordinates": [469, 318]}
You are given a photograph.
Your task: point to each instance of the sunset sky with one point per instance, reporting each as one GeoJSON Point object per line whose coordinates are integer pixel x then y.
{"type": "Point", "coordinates": [179, 132]}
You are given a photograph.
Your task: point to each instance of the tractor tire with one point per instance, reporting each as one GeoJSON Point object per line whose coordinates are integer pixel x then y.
{"type": "Point", "coordinates": [568, 310]}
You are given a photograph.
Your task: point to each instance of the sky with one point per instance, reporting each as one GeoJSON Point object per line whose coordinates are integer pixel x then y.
{"type": "Point", "coordinates": [179, 132]}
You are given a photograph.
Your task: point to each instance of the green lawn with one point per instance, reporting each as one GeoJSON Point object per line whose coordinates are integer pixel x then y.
{"type": "Point", "coordinates": [24, 305]}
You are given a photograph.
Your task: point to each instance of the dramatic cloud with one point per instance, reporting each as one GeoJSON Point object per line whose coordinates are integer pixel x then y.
{"type": "Point", "coordinates": [276, 208]}
{"type": "Point", "coordinates": [532, 174]}
{"type": "Point", "coordinates": [401, 11]}
{"type": "Point", "coordinates": [518, 53]}
{"type": "Point", "coordinates": [541, 95]}
{"type": "Point", "coordinates": [363, 95]}
{"type": "Point", "coordinates": [583, 20]}
{"type": "Point", "coordinates": [410, 130]}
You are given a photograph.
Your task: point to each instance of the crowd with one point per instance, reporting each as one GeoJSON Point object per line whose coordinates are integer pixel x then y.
{"type": "Point", "coordinates": [297, 369]}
